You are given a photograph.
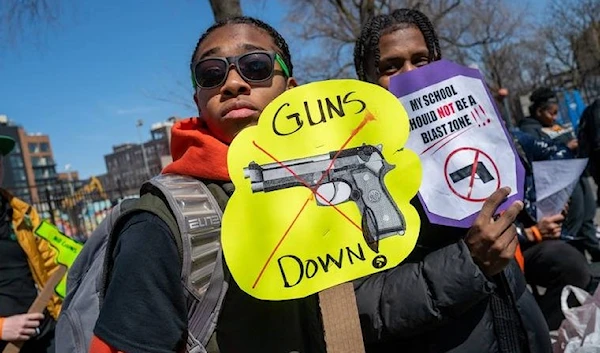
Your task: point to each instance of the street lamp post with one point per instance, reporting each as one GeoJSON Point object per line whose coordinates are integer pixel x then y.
{"type": "Point", "coordinates": [139, 125]}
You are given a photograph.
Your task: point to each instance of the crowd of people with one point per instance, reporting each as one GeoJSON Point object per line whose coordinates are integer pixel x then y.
{"type": "Point", "coordinates": [460, 290]}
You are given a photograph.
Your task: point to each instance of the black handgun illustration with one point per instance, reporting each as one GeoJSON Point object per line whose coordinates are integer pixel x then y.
{"type": "Point", "coordinates": [463, 173]}
{"type": "Point", "coordinates": [354, 174]}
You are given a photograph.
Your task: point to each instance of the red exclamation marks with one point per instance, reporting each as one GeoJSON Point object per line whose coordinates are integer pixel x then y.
{"type": "Point", "coordinates": [475, 118]}
{"type": "Point", "coordinates": [484, 114]}
{"type": "Point", "coordinates": [480, 117]}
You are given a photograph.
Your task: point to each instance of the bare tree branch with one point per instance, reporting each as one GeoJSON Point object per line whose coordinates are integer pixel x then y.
{"type": "Point", "coordinates": [180, 94]}
{"type": "Point", "coordinates": [573, 47]}
{"type": "Point", "coordinates": [464, 27]}
{"type": "Point", "coordinates": [18, 18]}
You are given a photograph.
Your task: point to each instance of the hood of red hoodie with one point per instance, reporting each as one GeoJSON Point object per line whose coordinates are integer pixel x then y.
{"type": "Point", "coordinates": [196, 152]}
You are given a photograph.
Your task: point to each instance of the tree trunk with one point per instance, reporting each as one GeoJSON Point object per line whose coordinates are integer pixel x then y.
{"type": "Point", "coordinates": [223, 9]}
{"type": "Point", "coordinates": [367, 11]}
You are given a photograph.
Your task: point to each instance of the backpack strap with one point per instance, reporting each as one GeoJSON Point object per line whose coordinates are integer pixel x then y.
{"type": "Point", "coordinates": [97, 242]}
{"type": "Point", "coordinates": [193, 211]}
{"type": "Point", "coordinates": [198, 210]}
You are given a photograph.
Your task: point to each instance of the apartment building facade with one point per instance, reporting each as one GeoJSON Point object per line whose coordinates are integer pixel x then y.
{"type": "Point", "coordinates": [130, 164]}
{"type": "Point", "coordinates": [29, 170]}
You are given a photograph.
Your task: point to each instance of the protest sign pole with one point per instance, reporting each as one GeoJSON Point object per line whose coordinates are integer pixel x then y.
{"type": "Point", "coordinates": [67, 250]}
{"type": "Point", "coordinates": [39, 304]}
{"type": "Point", "coordinates": [340, 319]}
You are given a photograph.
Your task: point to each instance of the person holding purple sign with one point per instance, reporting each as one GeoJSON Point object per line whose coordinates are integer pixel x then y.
{"type": "Point", "coordinates": [461, 289]}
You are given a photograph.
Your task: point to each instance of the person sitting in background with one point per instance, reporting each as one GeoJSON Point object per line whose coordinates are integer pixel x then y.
{"type": "Point", "coordinates": [541, 122]}
{"type": "Point", "coordinates": [541, 125]}
{"type": "Point", "coordinates": [548, 261]}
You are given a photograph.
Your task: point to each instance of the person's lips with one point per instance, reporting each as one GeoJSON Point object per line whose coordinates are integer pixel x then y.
{"type": "Point", "coordinates": [239, 110]}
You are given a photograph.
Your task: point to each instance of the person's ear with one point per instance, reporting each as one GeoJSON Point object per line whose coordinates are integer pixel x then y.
{"type": "Point", "coordinates": [195, 95]}
{"type": "Point", "coordinates": [291, 83]}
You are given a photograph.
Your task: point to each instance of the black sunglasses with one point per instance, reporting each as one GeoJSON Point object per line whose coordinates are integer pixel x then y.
{"type": "Point", "coordinates": [254, 67]}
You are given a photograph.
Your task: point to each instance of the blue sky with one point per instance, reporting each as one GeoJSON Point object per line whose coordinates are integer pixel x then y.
{"type": "Point", "coordinates": [86, 81]}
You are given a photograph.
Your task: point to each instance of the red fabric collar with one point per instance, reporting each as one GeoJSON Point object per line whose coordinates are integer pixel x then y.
{"type": "Point", "coordinates": [197, 153]}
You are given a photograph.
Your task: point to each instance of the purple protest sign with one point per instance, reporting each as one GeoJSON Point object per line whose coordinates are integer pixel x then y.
{"type": "Point", "coordinates": [465, 150]}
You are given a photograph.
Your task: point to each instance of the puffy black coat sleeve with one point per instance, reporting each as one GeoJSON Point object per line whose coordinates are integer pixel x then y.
{"type": "Point", "coordinates": [532, 127]}
{"type": "Point", "coordinates": [420, 295]}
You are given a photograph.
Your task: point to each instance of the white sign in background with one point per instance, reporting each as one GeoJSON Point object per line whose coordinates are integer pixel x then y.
{"type": "Point", "coordinates": [554, 182]}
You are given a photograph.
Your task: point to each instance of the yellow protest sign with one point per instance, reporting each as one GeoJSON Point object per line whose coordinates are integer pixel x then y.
{"type": "Point", "coordinates": [322, 191]}
{"type": "Point", "coordinates": [66, 248]}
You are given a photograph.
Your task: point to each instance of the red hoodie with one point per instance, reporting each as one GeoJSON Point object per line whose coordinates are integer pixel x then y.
{"type": "Point", "coordinates": [195, 153]}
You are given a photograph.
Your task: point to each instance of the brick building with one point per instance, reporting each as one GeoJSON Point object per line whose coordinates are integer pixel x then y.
{"type": "Point", "coordinates": [30, 167]}
{"type": "Point", "coordinates": [126, 165]}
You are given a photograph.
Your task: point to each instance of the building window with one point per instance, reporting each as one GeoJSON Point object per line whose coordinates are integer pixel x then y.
{"type": "Point", "coordinates": [44, 147]}
{"type": "Point", "coordinates": [44, 173]}
{"type": "Point", "coordinates": [41, 161]}
{"type": "Point", "coordinates": [16, 161]}
{"type": "Point", "coordinates": [17, 149]}
{"type": "Point", "coordinates": [40, 174]}
{"type": "Point", "coordinates": [158, 135]}
{"type": "Point", "coordinates": [33, 148]}
{"type": "Point", "coordinates": [19, 174]}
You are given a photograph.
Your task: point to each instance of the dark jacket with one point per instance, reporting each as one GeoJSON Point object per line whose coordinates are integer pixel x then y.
{"type": "Point", "coordinates": [588, 131]}
{"type": "Point", "coordinates": [532, 127]}
{"type": "Point", "coordinates": [588, 135]}
{"type": "Point", "coordinates": [532, 149]}
{"type": "Point", "coordinates": [556, 133]}
{"type": "Point", "coordinates": [438, 300]}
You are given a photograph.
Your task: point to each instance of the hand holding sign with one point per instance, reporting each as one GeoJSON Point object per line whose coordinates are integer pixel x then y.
{"type": "Point", "coordinates": [550, 227]}
{"type": "Point", "coordinates": [493, 243]}
{"type": "Point", "coordinates": [20, 327]}
{"type": "Point", "coordinates": [67, 249]}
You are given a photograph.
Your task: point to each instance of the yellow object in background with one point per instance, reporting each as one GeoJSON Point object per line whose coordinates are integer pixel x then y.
{"type": "Point", "coordinates": [67, 250]}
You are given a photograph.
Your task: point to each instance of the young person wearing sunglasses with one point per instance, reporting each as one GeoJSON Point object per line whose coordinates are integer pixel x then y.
{"type": "Point", "coordinates": [238, 67]}
{"type": "Point", "coordinates": [460, 290]}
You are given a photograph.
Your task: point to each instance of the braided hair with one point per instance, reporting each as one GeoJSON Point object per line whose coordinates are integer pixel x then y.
{"type": "Point", "coordinates": [366, 50]}
{"type": "Point", "coordinates": [277, 38]}
{"type": "Point", "coordinates": [543, 98]}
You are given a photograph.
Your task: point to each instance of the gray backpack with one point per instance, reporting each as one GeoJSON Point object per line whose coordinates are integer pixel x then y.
{"type": "Point", "coordinates": [193, 212]}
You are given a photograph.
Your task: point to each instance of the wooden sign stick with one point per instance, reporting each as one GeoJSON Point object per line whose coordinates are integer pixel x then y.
{"type": "Point", "coordinates": [39, 304]}
{"type": "Point", "coordinates": [340, 319]}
